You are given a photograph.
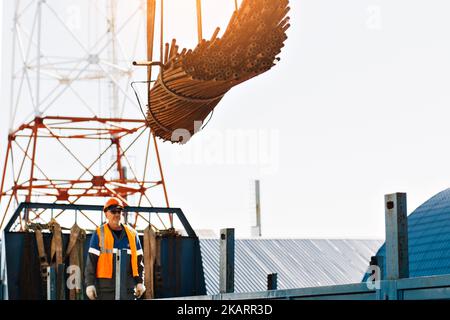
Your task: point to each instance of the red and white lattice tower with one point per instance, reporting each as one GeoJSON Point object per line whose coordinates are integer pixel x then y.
{"type": "Point", "coordinates": [77, 134]}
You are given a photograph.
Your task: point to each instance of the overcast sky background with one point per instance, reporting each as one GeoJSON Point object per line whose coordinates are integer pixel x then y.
{"type": "Point", "coordinates": [357, 108]}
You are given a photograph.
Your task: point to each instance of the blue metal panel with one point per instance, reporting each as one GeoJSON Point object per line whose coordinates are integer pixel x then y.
{"type": "Point", "coordinates": [437, 287]}
{"type": "Point", "coordinates": [14, 247]}
{"type": "Point", "coordinates": [348, 292]}
{"type": "Point", "coordinates": [427, 294]}
{"type": "Point", "coordinates": [13, 255]}
{"type": "Point", "coordinates": [181, 268]}
{"type": "Point", "coordinates": [356, 296]}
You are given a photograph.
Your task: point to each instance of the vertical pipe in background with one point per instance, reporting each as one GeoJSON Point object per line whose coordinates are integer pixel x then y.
{"type": "Point", "coordinates": [151, 14]}
{"type": "Point", "coordinates": [258, 208]}
{"type": "Point", "coordinates": [161, 45]}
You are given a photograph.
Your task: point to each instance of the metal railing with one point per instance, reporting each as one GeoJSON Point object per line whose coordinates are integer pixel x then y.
{"type": "Point", "coordinates": [79, 207]}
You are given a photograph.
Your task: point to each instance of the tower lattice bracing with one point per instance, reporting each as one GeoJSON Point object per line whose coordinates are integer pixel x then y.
{"type": "Point", "coordinates": [77, 134]}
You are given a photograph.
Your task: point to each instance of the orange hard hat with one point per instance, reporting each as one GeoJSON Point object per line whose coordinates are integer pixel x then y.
{"type": "Point", "coordinates": [112, 202]}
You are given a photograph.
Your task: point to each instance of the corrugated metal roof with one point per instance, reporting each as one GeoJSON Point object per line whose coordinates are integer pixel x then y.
{"type": "Point", "coordinates": [298, 262]}
{"type": "Point", "coordinates": [429, 237]}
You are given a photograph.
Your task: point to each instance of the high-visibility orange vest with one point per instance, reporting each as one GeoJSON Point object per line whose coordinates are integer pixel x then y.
{"type": "Point", "coordinates": [106, 244]}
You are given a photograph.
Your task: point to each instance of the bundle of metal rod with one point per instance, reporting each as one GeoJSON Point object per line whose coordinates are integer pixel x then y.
{"type": "Point", "coordinates": [192, 82]}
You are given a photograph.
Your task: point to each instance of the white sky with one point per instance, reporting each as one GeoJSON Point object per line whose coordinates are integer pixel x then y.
{"type": "Point", "coordinates": [358, 107]}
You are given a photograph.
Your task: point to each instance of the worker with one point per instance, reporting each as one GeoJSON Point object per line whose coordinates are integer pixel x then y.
{"type": "Point", "coordinates": [108, 239]}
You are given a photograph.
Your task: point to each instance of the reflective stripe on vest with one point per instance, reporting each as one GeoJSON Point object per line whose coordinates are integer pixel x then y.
{"type": "Point", "coordinates": [106, 244]}
{"type": "Point", "coordinates": [132, 240]}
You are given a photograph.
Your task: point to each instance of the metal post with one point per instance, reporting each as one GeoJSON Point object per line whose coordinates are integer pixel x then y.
{"type": "Point", "coordinates": [226, 261]}
{"type": "Point", "coordinates": [117, 261]}
{"type": "Point", "coordinates": [373, 261]}
{"type": "Point", "coordinates": [397, 261]}
{"type": "Point", "coordinates": [2, 285]}
{"type": "Point", "coordinates": [61, 283]}
{"type": "Point", "coordinates": [121, 269]}
{"type": "Point", "coordinates": [51, 283]}
{"type": "Point", "coordinates": [123, 273]}
{"type": "Point", "coordinates": [3, 272]}
{"type": "Point", "coordinates": [378, 261]}
{"type": "Point", "coordinates": [272, 281]}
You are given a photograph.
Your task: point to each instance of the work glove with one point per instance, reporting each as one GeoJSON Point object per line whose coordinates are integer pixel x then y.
{"type": "Point", "coordinates": [139, 290]}
{"type": "Point", "coordinates": [91, 292]}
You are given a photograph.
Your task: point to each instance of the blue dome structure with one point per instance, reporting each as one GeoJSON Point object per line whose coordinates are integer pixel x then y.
{"type": "Point", "coordinates": [428, 238]}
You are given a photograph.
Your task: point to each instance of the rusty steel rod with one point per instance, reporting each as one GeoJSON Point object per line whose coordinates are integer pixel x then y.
{"type": "Point", "coordinates": [192, 82]}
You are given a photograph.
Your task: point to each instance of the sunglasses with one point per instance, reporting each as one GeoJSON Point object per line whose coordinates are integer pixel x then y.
{"type": "Point", "coordinates": [116, 211]}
